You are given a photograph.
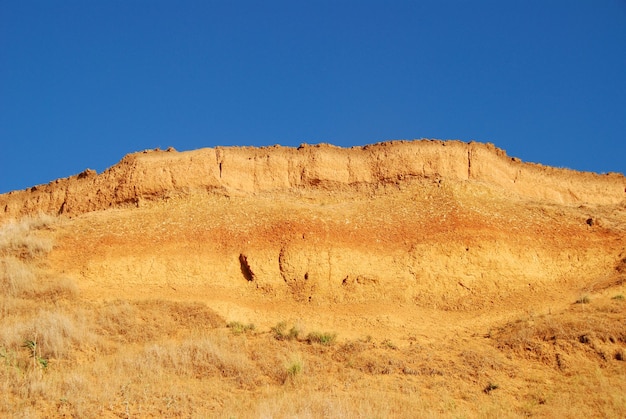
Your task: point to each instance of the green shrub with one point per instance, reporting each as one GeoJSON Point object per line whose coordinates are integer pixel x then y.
{"type": "Point", "coordinates": [389, 344]}
{"type": "Point", "coordinates": [281, 333]}
{"type": "Point", "coordinates": [31, 345]}
{"type": "Point", "coordinates": [239, 328]}
{"type": "Point", "coordinates": [321, 338]}
{"type": "Point", "coordinates": [294, 368]}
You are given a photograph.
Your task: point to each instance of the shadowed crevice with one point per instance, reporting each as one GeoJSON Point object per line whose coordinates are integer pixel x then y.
{"type": "Point", "coordinates": [245, 268]}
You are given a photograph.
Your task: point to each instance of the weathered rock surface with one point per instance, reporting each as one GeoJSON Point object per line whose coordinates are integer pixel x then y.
{"type": "Point", "coordinates": [235, 170]}
{"type": "Point", "coordinates": [445, 225]}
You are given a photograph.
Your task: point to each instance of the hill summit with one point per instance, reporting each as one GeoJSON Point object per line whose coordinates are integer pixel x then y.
{"type": "Point", "coordinates": [156, 174]}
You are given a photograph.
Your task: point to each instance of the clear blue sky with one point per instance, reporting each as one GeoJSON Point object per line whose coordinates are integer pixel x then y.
{"type": "Point", "coordinates": [82, 83]}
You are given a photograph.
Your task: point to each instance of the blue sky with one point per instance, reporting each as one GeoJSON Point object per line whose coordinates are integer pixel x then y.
{"type": "Point", "coordinates": [82, 83]}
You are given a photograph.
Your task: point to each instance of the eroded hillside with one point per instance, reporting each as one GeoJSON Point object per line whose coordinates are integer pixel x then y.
{"type": "Point", "coordinates": [245, 170]}
{"type": "Point", "coordinates": [445, 248]}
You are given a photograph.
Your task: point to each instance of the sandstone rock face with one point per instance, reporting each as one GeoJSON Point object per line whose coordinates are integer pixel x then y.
{"type": "Point", "coordinates": [446, 269]}
{"type": "Point", "coordinates": [156, 174]}
{"type": "Point", "coordinates": [446, 225]}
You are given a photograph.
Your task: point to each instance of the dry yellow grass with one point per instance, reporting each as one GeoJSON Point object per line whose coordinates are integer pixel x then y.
{"type": "Point", "coordinates": [19, 239]}
{"type": "Point", "coordinates": [156, 358]}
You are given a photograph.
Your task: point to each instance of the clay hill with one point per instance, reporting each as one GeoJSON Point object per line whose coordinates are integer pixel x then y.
{"type": "Point", "coordinates": [452, 279]}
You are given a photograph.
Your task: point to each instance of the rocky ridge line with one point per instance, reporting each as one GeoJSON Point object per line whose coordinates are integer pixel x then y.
{"type": "Point", "coordinates": [154, 174]}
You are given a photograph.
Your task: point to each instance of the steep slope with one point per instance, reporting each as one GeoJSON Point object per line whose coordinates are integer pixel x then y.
{"type": "Point", "coordinates": [450, 250]}
{"type": "Point", "coordinates": [425, 223]}
{"type": "Point", "coordinates": [433, 223]}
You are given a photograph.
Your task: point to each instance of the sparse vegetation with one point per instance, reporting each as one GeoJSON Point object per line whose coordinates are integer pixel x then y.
{"type": "Point", "coordinates": [321, 338]}
{"type": "Point", "coordinates": [54, 345]}
{"type": "Point", "coordinates": [585, 299]}
{"type": "Point", "coordinates": [38, 360]}
{"type": "Point", "coordinates": [294, 368]}
{"type": "Point", "coordinates": [491, 387]}
{"type": "Point", "coordinates": [239, 328]}
{"type": "Point", "coordinates": [281, 333]}
{"type": "Point", "coordinates": [16, 277]}
{"type": "Point", "coordinates": [389, 344]}
{"type": "Point", "coordinates": [618, 297]}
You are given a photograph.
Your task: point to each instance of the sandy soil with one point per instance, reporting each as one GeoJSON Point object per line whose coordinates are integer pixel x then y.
{"type": "Point", "coordinates": [466, 278]}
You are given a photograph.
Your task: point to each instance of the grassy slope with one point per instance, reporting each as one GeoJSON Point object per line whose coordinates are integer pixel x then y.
{"type": "Point", "coordinates": [69, 351]}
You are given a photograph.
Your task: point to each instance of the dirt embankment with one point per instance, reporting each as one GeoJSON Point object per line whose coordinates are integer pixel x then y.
{"type": "Point", "coordinates": [156, 174]}
{"type": "Point", "coordinates": [459, 281]}
{"type": "Point", "coordinates": [438, 224]}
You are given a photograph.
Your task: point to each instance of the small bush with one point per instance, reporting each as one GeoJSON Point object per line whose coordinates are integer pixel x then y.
{"type": "Point", "coordinates": [280, 332]}
{"type": "Point", "coordinates": [294, 368]}
{"type": "Point", "coordinates": [490, 387]}
{"type": "Point", "coordinates": [321, 338]}
{"type": "Point", "coordinates": [239, 328]}
{"type": "Point", "coordinates": [389, 344]}
{"type": "Point", "coordinates": [619, 297]}
{"type": "Point", "coordinates": [294, 333]}
{"type": "Point", "coordinates": [583, 300]}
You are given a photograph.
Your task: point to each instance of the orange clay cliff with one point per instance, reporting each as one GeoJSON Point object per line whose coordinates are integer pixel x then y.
{"type": "Point", "coordinates": [455, 280]}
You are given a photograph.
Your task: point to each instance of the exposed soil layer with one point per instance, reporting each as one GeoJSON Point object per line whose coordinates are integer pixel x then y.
{"type": "Point", "coordinates": [244, 170]}
{"type": "Point", "coordinates": [444, 245]}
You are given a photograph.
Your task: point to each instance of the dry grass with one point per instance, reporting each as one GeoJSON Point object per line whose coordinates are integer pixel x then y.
{"type": "Point", "coordinates": [21, 247]}
{"type": "Point", "coordinates": [19, 238]}
{"type": "Point", "coordinates": [176, 369]}
{"type": "Point", "coordinates": [597, 332]}
{"type": "Point", "coordinates": [63, 356]}
{"type": "Point", "coordinates": [16, 277]}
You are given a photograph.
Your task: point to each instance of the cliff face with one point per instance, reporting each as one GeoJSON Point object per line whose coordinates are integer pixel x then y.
{"type": "Point", "coordinates": [236, 170]}
{"type": "Point", "coordinates": [435, 262]}
{"type": "Point", "coordinates": [444, 224]}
